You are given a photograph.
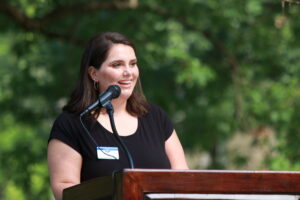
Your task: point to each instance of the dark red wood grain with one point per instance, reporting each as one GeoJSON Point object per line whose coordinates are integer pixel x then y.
{"type": "Point", "coordinates": [133, 184]}
{"type": "Point", "coordinates": [138, 182]}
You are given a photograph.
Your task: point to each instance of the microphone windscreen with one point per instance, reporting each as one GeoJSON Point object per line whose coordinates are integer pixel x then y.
{"type": "Point", "coordinates": [116, 91]}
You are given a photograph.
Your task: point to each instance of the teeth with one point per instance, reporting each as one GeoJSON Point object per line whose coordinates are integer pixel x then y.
{"type": "Point", "coordinates": [124, 82]}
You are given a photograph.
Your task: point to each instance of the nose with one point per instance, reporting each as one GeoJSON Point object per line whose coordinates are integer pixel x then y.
{"type": "Point", "coordinates": [127, 71]}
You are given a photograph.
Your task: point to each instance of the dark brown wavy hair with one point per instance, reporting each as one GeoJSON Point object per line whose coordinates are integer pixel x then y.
{"type": "Point", "coordinates": [95, 54]}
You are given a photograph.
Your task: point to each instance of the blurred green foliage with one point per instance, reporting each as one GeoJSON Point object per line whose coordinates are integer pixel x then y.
{"type": "Point", "coordinates": [217, 68]}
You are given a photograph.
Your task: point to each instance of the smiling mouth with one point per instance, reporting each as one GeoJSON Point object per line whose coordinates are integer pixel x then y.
{"type": "Point", "coordinates": [125, 83]}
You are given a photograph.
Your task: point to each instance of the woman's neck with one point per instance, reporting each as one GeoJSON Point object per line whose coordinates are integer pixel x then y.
{"type": "Point", "coordinates": [119, 106]}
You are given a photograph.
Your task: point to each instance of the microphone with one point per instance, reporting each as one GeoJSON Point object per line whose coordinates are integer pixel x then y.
{"type": "Point", "coordinates": [110, 93]}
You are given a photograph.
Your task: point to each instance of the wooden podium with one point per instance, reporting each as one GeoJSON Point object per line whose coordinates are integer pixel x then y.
{"type": "Point", "coordinates": [146, 184]}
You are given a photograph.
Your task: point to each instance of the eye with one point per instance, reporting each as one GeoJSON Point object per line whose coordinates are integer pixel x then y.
{"type": "Point", "coordinates": [116, 64]}
{"type": "Point", "coordinates": [133, 64]}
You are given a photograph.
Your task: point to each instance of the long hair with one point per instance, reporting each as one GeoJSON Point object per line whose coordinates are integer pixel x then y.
{"type": "Point", "coordinates": [95, 54]}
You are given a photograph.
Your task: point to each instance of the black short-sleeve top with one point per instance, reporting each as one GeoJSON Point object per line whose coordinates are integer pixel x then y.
{"type": "Point", "coordinates": [146, 145]}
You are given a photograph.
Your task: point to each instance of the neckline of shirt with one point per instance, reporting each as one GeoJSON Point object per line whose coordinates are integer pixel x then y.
{"type": "Point", "coordinates": [125, 136]}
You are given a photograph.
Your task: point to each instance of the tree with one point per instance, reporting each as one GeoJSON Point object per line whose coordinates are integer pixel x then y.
{"type": "Point", "coordinates": [217, 68]}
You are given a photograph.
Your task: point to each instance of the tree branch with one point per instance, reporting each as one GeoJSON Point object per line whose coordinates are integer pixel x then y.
{"type": "Point", "coordinates": [91, 6]}
{"type": "Point", "coordinates": [40, 24]}
{"type": "Point", "coordinates": [232, 60]}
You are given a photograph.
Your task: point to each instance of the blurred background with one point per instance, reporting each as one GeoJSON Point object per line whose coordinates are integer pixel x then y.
{"type": "Point", "coordinates": [227, 73]}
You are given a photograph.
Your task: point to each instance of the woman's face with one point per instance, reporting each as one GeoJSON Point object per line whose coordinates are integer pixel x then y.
{"type": "Point", "coordinates": [120, 68]}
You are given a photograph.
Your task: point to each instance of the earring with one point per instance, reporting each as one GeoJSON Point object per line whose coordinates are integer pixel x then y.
{"type": "Point", "coordinates": [96, 85]}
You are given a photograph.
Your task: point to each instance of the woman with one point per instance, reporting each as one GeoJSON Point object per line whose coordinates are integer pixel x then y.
{"type": "Point", "coordinates": [73, 156]}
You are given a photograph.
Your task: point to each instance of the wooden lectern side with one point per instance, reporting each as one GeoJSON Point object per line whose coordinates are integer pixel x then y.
{"type": "Point", "coordinates": [98, 188]}
{"type": "Point", "coordinates": [136, 184]}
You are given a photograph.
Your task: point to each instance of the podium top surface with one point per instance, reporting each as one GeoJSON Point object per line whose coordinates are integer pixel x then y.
{"type": "Point", "coordinates": [130, 183]}
{"type": "Point", "coordinates": [209, 171]}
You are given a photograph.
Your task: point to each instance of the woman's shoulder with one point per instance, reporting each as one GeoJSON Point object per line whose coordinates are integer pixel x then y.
{"type": "Point", "coordinates": [157, 117]}
{"type": "Point", "coordinates": [154, 107]}
{"type": "Point", "coordinates": [156, 111]}
{"type": "Point", "coordinates": [66, 117]}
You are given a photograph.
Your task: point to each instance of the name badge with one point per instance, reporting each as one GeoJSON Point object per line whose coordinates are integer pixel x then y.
{"type": "Point", "coordinates": [110, 153]}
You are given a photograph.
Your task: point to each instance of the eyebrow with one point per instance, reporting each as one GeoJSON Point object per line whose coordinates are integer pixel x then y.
{"type": "Point", "coordinates": [133, 60]}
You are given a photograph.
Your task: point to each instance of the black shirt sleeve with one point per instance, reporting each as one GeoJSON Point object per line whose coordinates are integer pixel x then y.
{"type": "Point", "coordinates": [65, 129]}
{"type": "Point", "coordinates": [164, 121]}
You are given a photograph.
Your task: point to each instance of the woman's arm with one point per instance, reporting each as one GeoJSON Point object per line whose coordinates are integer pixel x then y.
{"type": "Point", "coordinates": [64, 167]}
{"type": "Point", "coordinates": [175, 152]}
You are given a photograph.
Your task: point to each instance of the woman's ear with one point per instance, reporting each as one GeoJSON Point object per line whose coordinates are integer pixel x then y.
{"type": "Point", "coordinates": [92, 71]}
